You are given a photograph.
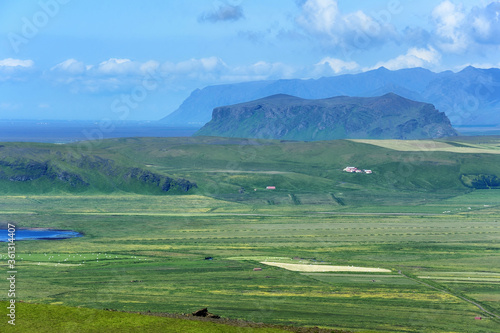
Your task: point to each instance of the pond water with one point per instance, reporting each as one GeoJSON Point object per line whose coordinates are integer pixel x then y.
{"type": "Point", "coordinates": [33, 234]}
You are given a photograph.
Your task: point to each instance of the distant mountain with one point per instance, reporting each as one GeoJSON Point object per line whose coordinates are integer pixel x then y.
{"type": "Point", "coordinates": [287, 117]}
{"type": "Point", "coordinates": [469, 97]}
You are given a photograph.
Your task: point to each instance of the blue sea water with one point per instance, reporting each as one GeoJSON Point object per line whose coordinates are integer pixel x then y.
{"type": "Point", "coordinates": [53, 131]}
{"type": "Point", "coordinates": [29, 234]}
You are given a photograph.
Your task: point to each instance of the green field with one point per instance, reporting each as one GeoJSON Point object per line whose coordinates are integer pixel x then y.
{"type": "Point", "coordinates": [57, 318]}
{"type": "Point", "coordinates": [139, 253]}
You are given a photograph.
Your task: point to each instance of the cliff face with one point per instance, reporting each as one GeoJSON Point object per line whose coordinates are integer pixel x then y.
{"type": "Point", "coordinates": [292, 118]}
{"type": "Point", "coordinates": [42, 171]}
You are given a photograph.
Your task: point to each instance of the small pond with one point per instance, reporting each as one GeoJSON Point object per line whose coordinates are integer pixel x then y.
{"type": "Point", "coordinates": [34, 234]}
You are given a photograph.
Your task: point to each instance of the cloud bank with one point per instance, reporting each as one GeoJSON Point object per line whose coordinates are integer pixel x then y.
{"type": "Point", "coordinates": [323, 20]}
{"type": "Point", "coordinates": [450, 29]}
{"type": "Point", "coordinates": [415, 57]}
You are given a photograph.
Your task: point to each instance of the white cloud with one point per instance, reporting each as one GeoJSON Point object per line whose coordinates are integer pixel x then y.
{"type": "Point", "coordinates": [212, 63]}
{"type": "Point", "coordinates": [429, 55]}
{"type": "Point", "coordinates": [72, 66]}
{"type": "Point", "coordinates": [110, 67]}
{"type": "Point", "coordinates": [149, 66]}
{"type": "Point", "coordinates": [453, 28]}
{"type": "Point", "coordinates": [481, 26]}
{"type": "Point", "coordinates": [458, 31]}
{"type": "Point", "coordinates": [415, 57]}
{"type": "Point", "coordinates": [214, 70]}
{"type": "Point", "coordinates": [328, 65]}
{"type": "Point", "coordinates": [16, 70]}
{"type": "Point", "coordinates": [449, 21]}
{"type": "Point", "coordinates": [362, 22]}
{"type": "Point", "coordinates": [483, 65]}
{"type": "Point", "coordinates": [319, 16]}
{"type": "Point", "coordinates": [484, 23]}
{"type": "Point", "coordinates": [322, 18]}
{"type": "Point", "coordinates": [261, 70]}
{"type": "Point", "coordinates": [121, 74]}
{"type": "Point", "coordinates": [9, 62]}
{"type": "Point", "coordinates": [193, 66]}
{"type": "Point", "coordinates": [114, 66]}
{"type": "Point", "coordinates": [114, 74]}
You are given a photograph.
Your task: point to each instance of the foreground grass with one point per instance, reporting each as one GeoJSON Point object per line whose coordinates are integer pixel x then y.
{"type": "Point", "coordinates": [56, 318]}
{"type": "Point", "coordinates": [145, 253]}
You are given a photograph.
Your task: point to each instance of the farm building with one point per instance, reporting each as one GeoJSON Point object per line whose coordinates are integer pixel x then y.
{"type": "Point", "coordinates": [270, 187]}
{"type": "Point", "coordinates": [356, 170]}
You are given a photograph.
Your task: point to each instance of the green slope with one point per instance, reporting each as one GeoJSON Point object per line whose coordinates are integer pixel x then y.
{"type": "Point", "coordinates": [55, 318]}
{"type": "Point", "coordinates": [240, 169]}
{"type": "Point", "coordinates": [30, 168]}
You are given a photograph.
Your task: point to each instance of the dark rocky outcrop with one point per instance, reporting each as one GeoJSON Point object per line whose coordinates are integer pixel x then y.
{"type": "Point", "coordinates": [292, 118]}
{"type": "Point", "coordinates": [157, 180]}
{"type": "Point", "coordinates": [70, 173]}
{"type": "Point", "coordinates": [480, 181]}
{"type": "Point", "coordinates": [204, 313]}
{"type": "Point", "coordinates": [29, 170]}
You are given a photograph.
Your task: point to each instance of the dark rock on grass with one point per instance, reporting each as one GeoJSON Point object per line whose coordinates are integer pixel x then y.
{"type": "Point", "coordinates": [201, 313]}
{"type": "Point", "coordinates": [204, 313]}
{"type": "Point", "coordinates": [157, 180]}
{"type": "Point", "coordinates": [241, 323]}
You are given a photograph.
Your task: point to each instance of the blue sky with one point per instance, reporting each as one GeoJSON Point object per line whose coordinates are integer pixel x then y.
{"type": "Point", "coordinates": [89, 59]}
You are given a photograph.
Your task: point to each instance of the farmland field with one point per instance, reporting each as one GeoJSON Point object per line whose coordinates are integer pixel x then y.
{"type": "Point", "coordinates": [437, 251]}
{"type": "Point", "coordinates": [485, 146]}
{"type": "Point", "coordinates": [133, 261]}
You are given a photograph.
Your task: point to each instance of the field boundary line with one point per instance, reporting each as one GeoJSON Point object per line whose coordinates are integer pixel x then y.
{"type": "Point", "coordinates": [382, 214]}
{"type": "Point", "coordinates": [479, 306]}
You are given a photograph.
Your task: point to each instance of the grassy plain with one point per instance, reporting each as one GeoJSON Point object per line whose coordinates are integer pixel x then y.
{"type": "Point", "coordinates": [148, 252]}
{"type": "Point", "coordinates": [57, 318]}
{"type": "Point", "coordinates": [145, 253]}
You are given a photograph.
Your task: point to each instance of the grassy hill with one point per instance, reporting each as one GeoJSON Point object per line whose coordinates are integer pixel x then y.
{"type": "Point", "coordinates": [55, 318]}
{"type": "Point", "coordinates": [241, 169]}
{"type": "Point", "coordinates": [422, 217]}
{"type": "Point", "coordinates": [46, 168]}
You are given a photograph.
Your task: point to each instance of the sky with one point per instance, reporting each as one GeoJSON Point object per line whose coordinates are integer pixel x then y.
{"type": "Point", "coordinates": [138, 60]}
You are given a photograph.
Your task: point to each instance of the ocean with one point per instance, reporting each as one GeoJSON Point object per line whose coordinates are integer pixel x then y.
{"type": "Point", "coordinates": [53, 131]}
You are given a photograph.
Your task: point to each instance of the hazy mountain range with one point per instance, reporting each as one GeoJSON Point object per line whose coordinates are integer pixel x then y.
{"type": "Point", "coordinates": [468, 97]}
